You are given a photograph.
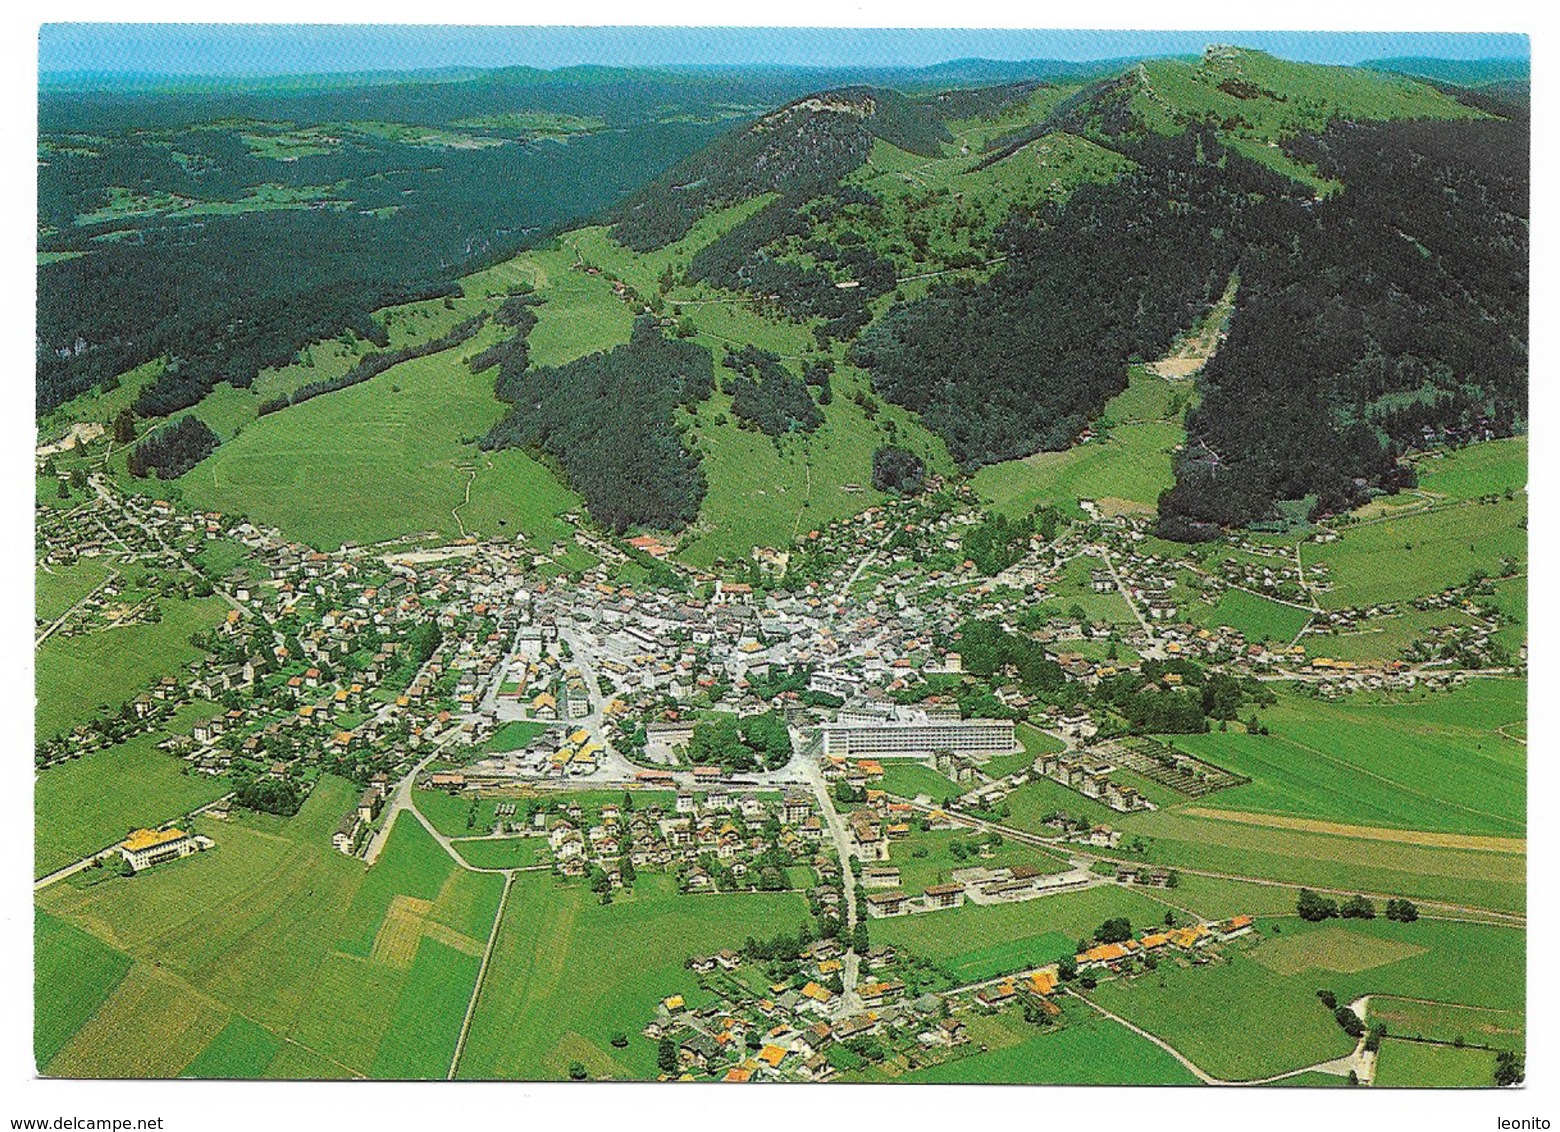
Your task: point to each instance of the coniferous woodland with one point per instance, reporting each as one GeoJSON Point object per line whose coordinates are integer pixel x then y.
{"type": "Point", "coordinates": [767, 395]}
{"type": "Point", "coordinates": [1393, 317]}
{"type": "Point", "coordinates": [173, 449]}
{"type": "Point", "coordinates": [1020, 363]}
{"type": "Point", "coordinates": [795, 150]}
{"type": "Point", "coordinates": [607, 420]}
{"type": "Point", "coordinates": [897, 470]}
{"type": "Point", "coordinates": [224, 292]}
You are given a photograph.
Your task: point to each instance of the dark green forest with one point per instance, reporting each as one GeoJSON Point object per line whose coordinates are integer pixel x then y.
{"type": "Point", "coordinates": [607, 421]}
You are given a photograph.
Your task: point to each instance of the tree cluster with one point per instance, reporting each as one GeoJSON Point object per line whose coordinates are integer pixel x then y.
{"type": "Point", "coordinates": [607, 420]}
{"type": "Point", "coordinates": [767, 395]}
{"type": "Point", "coordinates": [173, 449]}
{"type": "Point", "coordinates": [897, 471]}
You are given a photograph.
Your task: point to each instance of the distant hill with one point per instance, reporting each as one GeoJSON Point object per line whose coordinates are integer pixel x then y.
{"type": "Point", "coordinates": [1460, 72]}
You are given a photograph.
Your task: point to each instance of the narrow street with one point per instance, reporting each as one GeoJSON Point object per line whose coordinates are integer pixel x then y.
{"type": "Point", "coordinates": [836, 824]}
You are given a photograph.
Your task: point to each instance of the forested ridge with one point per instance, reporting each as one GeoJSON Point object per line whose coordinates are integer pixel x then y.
{"type": "Point", "coordinates": [1021, 362]}
{"type": "Point", "coordinates": [992, 259]}
{"type": "Point", "coordinates": [394, 192]}
{"type": "Point", "coordinates": [1395, 317]}
{"type": "Point", "coordinates": [800, 149]}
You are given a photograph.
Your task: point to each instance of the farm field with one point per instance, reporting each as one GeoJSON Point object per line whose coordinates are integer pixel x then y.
{"type": "Point", "coordinates": [927, 857]}
{"type": "Point", "coordinates": [242, 1049]}
{"type": "Point", "coordinates": [383, 458]}
{"type": "Point", "coordinates": [1476, 878]}
{"type": "Point", "coordinates": [60, 587]}
{"type": "Point", "coordinates": [1400, 558]}
{"type": "Point", "coordinates": [75, 816]}
{"type": "Point", "coordinates": [1493, 467]}
{"type": "Point", "coordinates": [1404, 761]}
{"type": "Point", "coordinates": [1386, 638]}
{"type": "Point", "coordinates": [237, 931]}
{"type": "Point", "coordinates": [76, 674]}
{"type": "Point", "coordinates": [502, 853]}
{"type": "Point", "coordinates": [975, 936]}
{"type": "Point", "coordinates": [1210, 1014]}
{"type": "Point", "coordinates": [73, 972]}
{"type": "Point", "coordinates": [1480, 965]}
{"type": "Point", "coordinates": [908, 779]}
{"type": "Point", "coordinates": [1030, 804]}
{"type": "Point", "coordinates": [1256, 617]}
{"type": "Point", "coordinates": [1087, 1051]}
{"type": "Point", "coordinates": [1417, 1065]}
{"type": "Point", "coordinates": [531, 1019]}
{"type": "Point", "coordinates": [1449, 1022]}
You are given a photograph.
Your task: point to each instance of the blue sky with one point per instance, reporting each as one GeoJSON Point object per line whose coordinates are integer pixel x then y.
{"type": "Point", "coordinates": [255, 49]}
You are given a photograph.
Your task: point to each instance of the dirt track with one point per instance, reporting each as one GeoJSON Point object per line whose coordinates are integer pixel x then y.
{"type": "Point", "coordinates": [1423, 838]}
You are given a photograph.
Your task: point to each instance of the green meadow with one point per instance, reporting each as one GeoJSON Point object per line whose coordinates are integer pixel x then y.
{"type": "Point", "coordinates": [1256, 617]}
{"type": "Point", "coordinates": [557, 988]}
{"type": "Point", "coordinates": [1418, 1065]}
{"type": "Point", "coordinates": [1221, 1016]}
{"type": "Point", "coordinates": [76, 675]}
{"type": "Point", "coordinates": [239, 931]}
{"type": "Point", "coordinates": [1124, 469]}
{"type": "Point", "coordinates": [1479, 879]}
{"type": "Point", "coordinates": [392, 455]}
{"type": "Point", "coordinates": [73, 972]}
{"type": "Point", "coordinates": [1425, 761]}
{"type": "Point", "coordinates": [60, 587]}
{"type": "Point", "coordinates": [1087, 1051]}
{"type": "Point", "coordinates": [1491, 468]}
{"type": "Point", "coordinates": [976, 938]}
{"type": "Point", "coordinates": [74, 815]}
{"type": "Point", "coordinates": [1400, 558]}
{"type": "Point", "coordinates": [909, 779]}
{"type": "Point", "coordinates": [502, 853]}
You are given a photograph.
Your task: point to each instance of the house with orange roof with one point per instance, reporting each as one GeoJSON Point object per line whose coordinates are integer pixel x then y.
{"type": "Point", "coordinates": [1233, 928]}
{"type": "Point", "coordinates": [1102, 954]}
{"type": "Point", "coordinates": [1041, 983]}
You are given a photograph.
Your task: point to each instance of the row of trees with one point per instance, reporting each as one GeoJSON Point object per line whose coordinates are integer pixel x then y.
{"type": "Point", "coordinates": [1314, 907]}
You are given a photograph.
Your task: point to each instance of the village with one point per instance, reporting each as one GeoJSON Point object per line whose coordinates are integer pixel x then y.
{"type": "Point", "coordinates": [484, 666]}
{"type": "Point", "coordinates": [773, 1012]}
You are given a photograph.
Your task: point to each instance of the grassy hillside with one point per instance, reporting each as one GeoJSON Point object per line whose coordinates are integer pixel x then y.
{"type": "Point", "coordinates": [392, 456]}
